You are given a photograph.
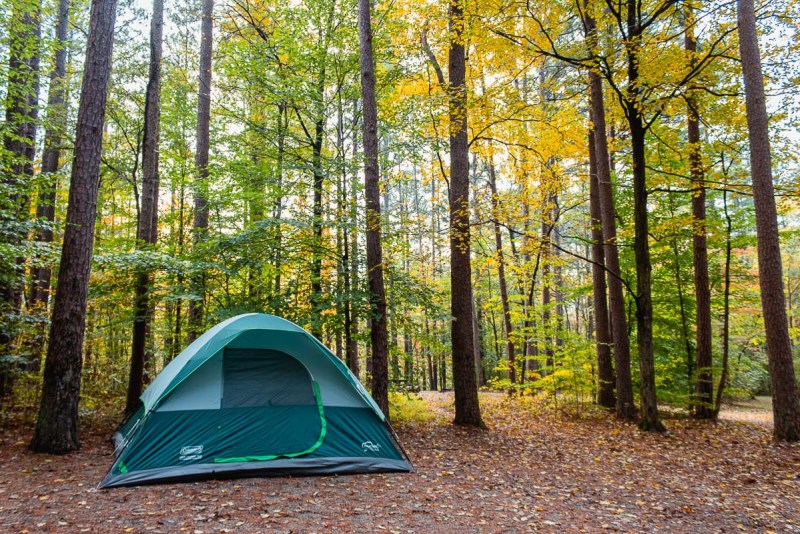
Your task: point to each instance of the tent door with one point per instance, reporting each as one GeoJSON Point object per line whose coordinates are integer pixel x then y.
{"type": "Point", "coordinates": [270, 407]}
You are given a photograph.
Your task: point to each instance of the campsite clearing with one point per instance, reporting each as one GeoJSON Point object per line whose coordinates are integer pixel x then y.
{"type": "Point", "coordinates": [532, 470]}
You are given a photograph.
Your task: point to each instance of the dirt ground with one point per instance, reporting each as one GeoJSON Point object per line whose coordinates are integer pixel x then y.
{"type": "Point", "coordinates": [533, 470]}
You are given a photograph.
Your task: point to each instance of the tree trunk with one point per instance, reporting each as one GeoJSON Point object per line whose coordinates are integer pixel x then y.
{"type": "Point", "coordinates": [57, 423]}
{"type": "Point", "coordinates": [605, 368]}
{"type": "Point", "coordinates": [147, 229]}
{"type": "Point", "coordinates": [318, 185]}
{"type": "Point", "coordinates": [644, 303]}
{"type": "Point", "coordinates": [687, 343]}
{"type": "Point", "coordinates": [704, 403]}
{"type": "Point", "coordinates": [625, 408]}
{"type": "Point", "coordinates": [195, 315]}
{"type": "Point", "coordinates": [283, 125]}
{"type": "Point", "coordinates": [53, 138]}
{"type": "Point", "coordinates": [770, 271]}
{"type": "Point", "coordinates": [372, 194]}
{"type": "Point", "coordinates": [641, 246]}
{"type": "Point", "coordinates": [22, 94]}
{"type": "Point", "coordinates": [352, 345]}
{"type": "Point", "coordinates": [464, 381]}
{"type": "Point", "coordinates": [726, 308]}
{"type": "Point", "coordinates": [501, 274]}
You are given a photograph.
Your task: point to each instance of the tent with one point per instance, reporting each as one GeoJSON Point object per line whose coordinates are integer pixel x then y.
{"type": "Point", "coordinates": [255, 395]}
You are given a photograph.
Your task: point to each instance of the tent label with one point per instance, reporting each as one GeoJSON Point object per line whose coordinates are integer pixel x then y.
{"type": "Point", "coordinates": [191, 452]}
{"type": "Point", "coordinates": [369, 446]}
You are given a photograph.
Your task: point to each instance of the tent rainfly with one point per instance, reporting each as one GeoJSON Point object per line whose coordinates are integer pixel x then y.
{"type": "Point", "coordinates": [254, 396]}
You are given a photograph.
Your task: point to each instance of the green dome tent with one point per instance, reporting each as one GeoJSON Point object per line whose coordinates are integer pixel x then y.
{"type": "Point", "coordinates": [255, 395]}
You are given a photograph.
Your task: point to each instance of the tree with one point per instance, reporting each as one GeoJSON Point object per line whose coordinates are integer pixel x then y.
{"type": "Point", "coordinates": [770, 272]}
{"type": "Point", "coordinates": [501, 276]}
{"type": "Point", "coordinates": [57, 423]}
{"type": "Point", "coordinates": [372, 191]}
{"type": "Point", "coordinates": [147, 227]}
{"type": "Point", "coordinates": [200, 224]}
{"type": "Point", "coordinates": [704, 403]}
{"type": "Point", "coordinates": [19, 142]}
{"type": "Point", "coordinates": [464, 380]}
{"type": "Point", "coordinates": [51, 157]}
{"type": "Point", "coordinates": [605, 369]}
{"type": "Point", "coordinates": [625, 408]}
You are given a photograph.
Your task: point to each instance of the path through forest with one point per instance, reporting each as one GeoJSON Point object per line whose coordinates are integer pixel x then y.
{"type": "Point", "coordinates": [532, 471]}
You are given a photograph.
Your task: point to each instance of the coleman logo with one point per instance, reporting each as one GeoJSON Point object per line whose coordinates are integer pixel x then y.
{"type": "Point", "coordinates": [369, 446]}
{"type": "Point", "coordinates": [191, 452]}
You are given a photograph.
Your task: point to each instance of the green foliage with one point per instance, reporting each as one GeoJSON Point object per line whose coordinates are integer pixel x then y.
{"type": "Point", "coordinates": [406, 407]}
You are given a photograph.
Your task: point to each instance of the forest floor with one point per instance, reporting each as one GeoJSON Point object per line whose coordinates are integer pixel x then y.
{"type": "Point", "coordinates": [534, 469]}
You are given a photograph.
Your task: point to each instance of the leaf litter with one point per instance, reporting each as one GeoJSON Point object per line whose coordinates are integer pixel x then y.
{"type": "Point", "coordinates": [534, 469]}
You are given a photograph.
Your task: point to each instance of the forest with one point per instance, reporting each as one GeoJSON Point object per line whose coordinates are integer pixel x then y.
{"type": "Point", "coordinates": [568, 227]}
{"type": "Point", "coordinates": [592, 204]}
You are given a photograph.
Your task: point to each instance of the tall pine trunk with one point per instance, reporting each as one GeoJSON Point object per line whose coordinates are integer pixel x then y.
{"type": "Point", "coordinates": [625, 408]}
{"type": "Point", "coordinates": [51, 158]}
{"type": "Point", "coordinates": [464, 380]}
{"type": "Point", "coordinates": [605, 368]}
{"type": "Point", "coordinates": [372, 193]}
{"type": "Point", "coordinates": [57, 423]}
{"type": "Point", "coordinates": [770, 271]}
{"type": "Point", "coordinates": [195, 315]}
{"type": "Point", "coordinates": [704, 403]}
{"type": "Point", "coordinates": [147, 229]}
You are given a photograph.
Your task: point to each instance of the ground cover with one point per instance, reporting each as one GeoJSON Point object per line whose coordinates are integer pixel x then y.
{"type": "Point", "coordinates": [535, 469]}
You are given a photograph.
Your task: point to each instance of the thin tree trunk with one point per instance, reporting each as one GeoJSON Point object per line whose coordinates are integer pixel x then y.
{"type": "Point", "coordinates": [283, 125]}
{"type": "Point", "coordinates": [641, 246]}
{"type": "Point", "coordinates": [625, 408]}
{"type": "Point", "coordinates": [602, 332]}
{"type": "Point", "coordinates": [547, 284]}
{"type": "Point", "coordinates": [372, 192]}
{"type": "Point", "coordinates": [687, 343]}
{"type": "Point", "coordinates": [57, 423]}
{"type": "Point", "coordinates": [53, 138]}
{"type": "Point", "coordinates": [22, 108]}
{"type": "Point", "coordinates": [465, 385]}
{"type": "Point", "coordinates": [726, 315]}
{"type": "Point", "coordinates": [200, 226]}
{"type": "Point", "coordinates": [501, 274]}
{"type": "Point", "coordinates": [352, 346]}
{"type": "Point", "coordinates": [146, 232]}
{"type": "Point", "coordinates": [704, 407]}
{"type": "Point", "coordinates": [770, 271]}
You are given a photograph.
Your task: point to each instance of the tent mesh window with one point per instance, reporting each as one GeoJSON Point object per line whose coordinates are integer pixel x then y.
{"type": "Point", "coordinates": [260, 377]}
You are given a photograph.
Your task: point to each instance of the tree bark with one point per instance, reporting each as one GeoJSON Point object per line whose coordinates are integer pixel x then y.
{"type": "Point", "coordinates": [784, 388]}
{"type": "Point", "coordinates": [501, 274]}
{"type": "Point", "coordinates": [352, 345]}
{"type": "Point", "coordinates": [704, 403]}
{"type": "Point", "coordinates": [196, 305]}
{"type": "Point", "coordinates": [22, 95]}
{"type": "Point", "coordinates": [726, 307]}
{"type": "Point", "coordinates": [602, 333]}
{"type": "Point", "coordinates": [625, 408]}
{"type": "Point", "coordinates": [51, 158]}
{"type": "Point", "coordinates": [57, 423]}
{"type": "Point", "coordinates": [147, 229]}
{"type": "Point", "coordinates": [465, 385]}
{"type": "Point", "coordinates": [372, 194]}
{"type": "Point", "coordinates": [641, 246]}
